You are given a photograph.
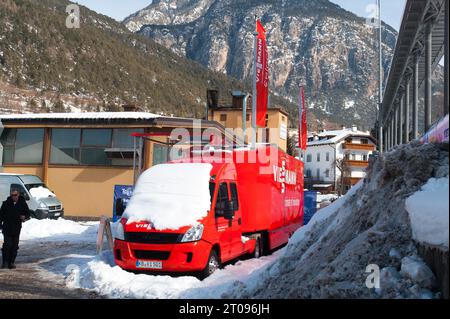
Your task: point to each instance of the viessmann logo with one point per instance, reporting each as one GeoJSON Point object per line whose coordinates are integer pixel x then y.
{"type": "Point", "coordinates": [284, 176]}
{"type": "Point", "coordinates": [144, 226]}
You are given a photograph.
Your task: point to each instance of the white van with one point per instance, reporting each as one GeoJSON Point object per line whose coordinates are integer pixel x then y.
{"type": "Point", "coordinates": [41, 201]}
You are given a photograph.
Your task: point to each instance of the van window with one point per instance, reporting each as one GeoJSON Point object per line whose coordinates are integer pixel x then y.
{"type": "Point", "coordinates": [212, 188]}
{"type": "Point", "coordinates": [222, 199]}
{"type": "Point", "coordinates": [234, 195]}
{"type": "Point", "coordinates": [20, 189]}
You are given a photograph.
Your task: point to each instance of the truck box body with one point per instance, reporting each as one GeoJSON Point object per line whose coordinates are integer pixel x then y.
{"type": "Point", "coordinates": [267, 207]}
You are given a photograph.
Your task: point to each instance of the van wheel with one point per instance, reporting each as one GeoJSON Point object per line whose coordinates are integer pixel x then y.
{"type": "Point", "coordinates": [211, 266]}
{"type": "Point", "coordinates": [258, 248]}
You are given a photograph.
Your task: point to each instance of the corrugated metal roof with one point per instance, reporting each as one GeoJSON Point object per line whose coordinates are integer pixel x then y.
{"type": "Point", "coordinates": [411, 42]}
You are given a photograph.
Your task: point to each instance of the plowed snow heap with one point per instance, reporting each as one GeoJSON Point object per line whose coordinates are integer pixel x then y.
{"type": "Point", "coordinates": [328, 257]}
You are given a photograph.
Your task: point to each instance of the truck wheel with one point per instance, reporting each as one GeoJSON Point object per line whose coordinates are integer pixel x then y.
{"type": "Point", "coordinates": [258, 248]}
{"type": "Point", "coordinates": [211, 266]}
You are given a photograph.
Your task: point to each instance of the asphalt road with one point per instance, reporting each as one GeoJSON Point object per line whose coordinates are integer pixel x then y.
{"type": "Point", "coordinates": [30, 280]}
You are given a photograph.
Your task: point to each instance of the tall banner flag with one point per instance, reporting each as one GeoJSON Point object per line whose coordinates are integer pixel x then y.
{"type": "Point", "coordinates": [262, 75]}
{"type": "Point", "coordinates": [302, 128]}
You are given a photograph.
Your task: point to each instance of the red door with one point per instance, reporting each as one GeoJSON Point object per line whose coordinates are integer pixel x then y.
{"type": "Point", "coordinates": [223, 227]}
{"type": "Point", "coordinates": [237, 246]}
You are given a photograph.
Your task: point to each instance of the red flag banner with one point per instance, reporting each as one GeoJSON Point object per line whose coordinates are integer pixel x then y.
{"type": "Point", "coordinates": [302, 128]}
{"type": "Point", "coordinates": [262, 75]}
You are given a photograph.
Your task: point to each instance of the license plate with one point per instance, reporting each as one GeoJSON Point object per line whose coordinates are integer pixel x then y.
{"type": "Point", "coordinates": [57, 214]}
{"type": "Point", "coordinates": [149, 264]}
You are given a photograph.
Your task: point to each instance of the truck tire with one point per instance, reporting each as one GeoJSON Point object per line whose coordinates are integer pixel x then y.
{"type": "Point", "coordinates": [212, 265]}
{"type": "Point", "coordinates": [258, 248]}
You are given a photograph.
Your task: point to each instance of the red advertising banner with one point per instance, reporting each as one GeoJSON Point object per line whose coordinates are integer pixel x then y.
{"type": "Point", "coordinates": [262, 76]}
{"type": "Point", "coordinates": [302, 128]}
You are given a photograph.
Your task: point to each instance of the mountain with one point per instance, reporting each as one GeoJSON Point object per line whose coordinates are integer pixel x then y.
{"type": "Point", "coordinates": [47, 67]}
{"type": "Point", "coordinates": [317, 43]}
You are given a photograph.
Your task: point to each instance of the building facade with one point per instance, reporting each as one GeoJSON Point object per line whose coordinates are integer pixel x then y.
{"type": "Point", "coordinates": [81, 157]}
{"type": "Point", "coordinates": [231, 116]}
{"type": "Point", "coordinates": [337, 160]}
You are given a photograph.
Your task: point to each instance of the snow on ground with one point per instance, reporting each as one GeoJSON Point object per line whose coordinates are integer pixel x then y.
{"type": "Point", "coordinates": [171, 195]}
{"type": "Point", "coordinates": [428, 211]}
{"type": "Point", "coordinates": [58, 230]}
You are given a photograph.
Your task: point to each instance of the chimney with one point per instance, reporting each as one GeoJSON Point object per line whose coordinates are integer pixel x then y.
{"type": "Point", "coordinates": [343, 127]}
{"type": "Point", "coordinates": [131, 108]}
{"type": "Point", "coordinates": [354, 128]}
{"type": "Point", "coordinates": [212, 99]}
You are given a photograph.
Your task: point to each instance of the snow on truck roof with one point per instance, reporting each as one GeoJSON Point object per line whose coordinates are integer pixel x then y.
{"type": "Point", "coordinates": [171, 196]}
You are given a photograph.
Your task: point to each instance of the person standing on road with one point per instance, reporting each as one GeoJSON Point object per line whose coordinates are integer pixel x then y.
{"type": "Point", "coordinates": [13, 213]}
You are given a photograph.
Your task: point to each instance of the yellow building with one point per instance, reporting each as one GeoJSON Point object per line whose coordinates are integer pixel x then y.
{"type": "Point", "coordinates": [82, 156]}
{"type": "Point", "coordinates": [231, 116]}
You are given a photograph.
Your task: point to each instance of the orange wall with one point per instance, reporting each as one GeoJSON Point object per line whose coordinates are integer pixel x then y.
{"type": "Point", "coordinates": [24, 170]}
{"type": "Point", "coordinates": [87, 191]}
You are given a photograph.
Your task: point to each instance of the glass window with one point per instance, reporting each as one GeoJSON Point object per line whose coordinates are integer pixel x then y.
{"type": "Point", "coordinates": [94, 156]}
{"type": "Point", "coordinates": [364, 141]}
{"type": "Point", "coordinates": [223, 117]}
{"type": "Point", "coordinates": [327, 157]}
{"type": "Point", "coordinates": [23, 146]}
{"type": "Point", "coordinates": [96, 137]}
{"type": "Point", "coordinates": [308, 173]}
{"type": "Point", "coordinates": [364, 158]}
{"type": "Point", "coordinates": [234, 195]}
{"type": "Point", "coordinates": [318, 157]}
{"type": "Point", "coordinates": [122, 138]}
{"type": "Point", "coordinates": [222, 199]}
{"type": "Point", "coordinates": [160, 154]}
{"type": "Point", "coordinates": [309, 158]}
{"type": "Point", "coordinates": [327, 173]}
{"type": "Point", "coordinates": [318, 173]}
{"type": "Point", "coordinates": [65, 147]}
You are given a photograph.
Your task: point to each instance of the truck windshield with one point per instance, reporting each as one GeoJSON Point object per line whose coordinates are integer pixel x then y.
{"type": "Point", "coordinates": [30, 186]}
{"type": "Point", "coordinates": [171, 196]}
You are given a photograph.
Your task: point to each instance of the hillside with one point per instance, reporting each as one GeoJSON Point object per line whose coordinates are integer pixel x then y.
{"type": "Point", "coordinates": [47, 67]}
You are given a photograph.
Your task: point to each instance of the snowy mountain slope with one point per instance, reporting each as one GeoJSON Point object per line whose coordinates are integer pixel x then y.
{"type": "Point", "coordinates": [314, 42]}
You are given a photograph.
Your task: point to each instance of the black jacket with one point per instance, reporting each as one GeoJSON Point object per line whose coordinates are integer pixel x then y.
{"type": "Point", "coordinates": [10, 215]}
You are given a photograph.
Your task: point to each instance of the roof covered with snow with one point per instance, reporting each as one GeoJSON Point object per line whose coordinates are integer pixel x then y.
{"type": "Point", "coordinates": [337, 136]}
{"type": "Point", "coordinates": [81, 116]}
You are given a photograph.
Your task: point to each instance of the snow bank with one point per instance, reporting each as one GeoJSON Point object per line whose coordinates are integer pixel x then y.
{"type": "Point", "coordinates": [102, 276]}
{"type": "Point", "coordinates": [41, 192]}
{"type": "Point", "coordinates": [171, 195]}
{"type": "Point", "coordinates": [428, 210]}
{"type": "Point", "coordinates": [58, 229]}
{"type": "Point", "coordinates": [328, 258]}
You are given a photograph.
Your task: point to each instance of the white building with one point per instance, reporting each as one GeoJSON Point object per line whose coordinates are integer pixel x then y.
{"type": "Point", "coordinates": [337, 160]}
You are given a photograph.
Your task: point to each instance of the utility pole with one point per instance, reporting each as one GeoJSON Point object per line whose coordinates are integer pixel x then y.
{"type": "Point", "coordinates": [380, 81]}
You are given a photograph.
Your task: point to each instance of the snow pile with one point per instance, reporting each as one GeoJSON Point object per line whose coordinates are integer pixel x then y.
{"type": "Point", "coordinates": [429, 212]}
{"type": "Point", "coordinates": [55, 229]}
{"type": "Point", "coordinates": [101, 275]}
{"type": "Point", "coordinates": [171, 195]}
{"type": "Point", "coordinates": [41, 192]}
{"type": "Point", "coordinates": [370, 226]}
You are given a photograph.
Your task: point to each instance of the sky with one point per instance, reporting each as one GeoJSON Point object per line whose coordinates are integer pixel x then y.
{"type": "Point", "coordinates": [391, 10]}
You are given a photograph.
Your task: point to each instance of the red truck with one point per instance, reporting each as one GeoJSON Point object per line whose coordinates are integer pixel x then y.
{"type": "Point", "coordinates": [253, 207]}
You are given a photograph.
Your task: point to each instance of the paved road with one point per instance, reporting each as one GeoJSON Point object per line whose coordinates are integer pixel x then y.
{"type": "Point", "coordinates": [31, 280]}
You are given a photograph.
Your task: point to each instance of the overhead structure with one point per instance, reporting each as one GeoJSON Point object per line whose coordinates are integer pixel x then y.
{"type": "Point", "coordinates": [422, 43]}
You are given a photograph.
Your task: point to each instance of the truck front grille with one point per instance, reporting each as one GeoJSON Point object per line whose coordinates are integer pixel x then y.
{"type": "Point", "coordinates": [152, 238]}
{"type": "Point", "coordinates": [152, 254]}
{"type": "Point", "coordinates": [54, 208]}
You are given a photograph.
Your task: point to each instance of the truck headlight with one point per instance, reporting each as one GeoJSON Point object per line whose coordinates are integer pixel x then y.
{"type": "Point", "coordinates": [193, 234]}
{"type": "Point", "coordinates": [43, 205]}
{"type": "Point", "coordinates": [119, 231]}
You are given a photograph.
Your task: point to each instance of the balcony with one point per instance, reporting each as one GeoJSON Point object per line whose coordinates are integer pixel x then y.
{"type": "Point", "coordinates": [353, 163]}
{"type": "Point", "coordinates": [358, 147]}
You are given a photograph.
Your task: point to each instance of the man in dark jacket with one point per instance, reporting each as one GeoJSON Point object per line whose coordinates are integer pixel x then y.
{"type": "Point", "coordinates": [13, 213]}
